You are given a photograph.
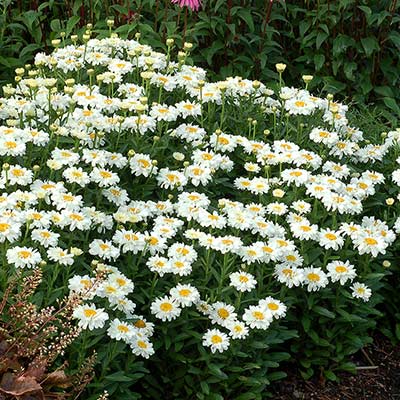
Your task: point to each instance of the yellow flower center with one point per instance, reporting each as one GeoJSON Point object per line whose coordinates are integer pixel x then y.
{"type": "Point", "coordinates": [258, 315]}
{"type": "Point", "coordinates": [10, 145]}
{"type": "Point", "coordinates": [4, 227]}
{"type": "Point", "coordinates": [215, 339]}
{"type": "Point", "coordinates": [166, 307]}
{"type": "Point", "coordinates": [24, 254]}
{"type": "Point", "coordinates": [89, 313]}
{"type": "Point", "coordinates": [313, 277]}
{"type": "Point", "coordinates": [330, 236]}
{"type": "Point", "coordinates": [223, 313]}
{"type": "Point", "coordinates": [123, 328]}
{"type": "Point", "coordinates": [371, 241]}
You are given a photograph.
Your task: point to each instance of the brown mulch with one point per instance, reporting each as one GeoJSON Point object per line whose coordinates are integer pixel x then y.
{"type": "Point", "coordinates": [377, 378]}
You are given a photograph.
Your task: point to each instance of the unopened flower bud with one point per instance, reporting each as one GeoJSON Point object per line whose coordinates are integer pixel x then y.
{"type": "Point", "coordinates": [307, 78]}
{"type": "Point", "coordinates": [278, 193]}
{"type": "Point", "coordinates": [280, 67]}
{"type": "Point", "coordinates": [187, 46]}
{"type": "Point", "coordinates": [178, 156]}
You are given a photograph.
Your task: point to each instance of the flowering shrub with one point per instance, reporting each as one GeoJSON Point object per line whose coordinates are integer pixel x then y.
{"type": "Point", "coordinates": [223, 218]}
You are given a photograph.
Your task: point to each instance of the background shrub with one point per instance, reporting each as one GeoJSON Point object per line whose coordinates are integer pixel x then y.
{"type": "Point", "coordinates": [351, 46]}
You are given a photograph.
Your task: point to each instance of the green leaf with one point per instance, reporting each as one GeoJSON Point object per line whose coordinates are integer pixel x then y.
{"type": "Point", "coordinates": [55, 25]}
{"type": "Point", "coordinates": [321, 37]}
{"type": "Point", "coordinates": [204, 387]}
{"type": "Point", "coordinates": [397, 331]}
{"type": "Point", "coordinates": [245, 15]}
{"type": "Point", "coordinates": [330, 376]}
{"type": "Point", "coordinates": [29, 49]}
{"type": "Point", "coordinates": [370, 44]}
{"type": "Point", "coordinates": [319, 60]}
{"type": "Point", "coordinates": [246, 396]}
{"type": "Point", "coordinates": [323, 311]}
{"type": "Point", "coordinates": [216, 371]}
{"type": "Point", "coordinates": [118, 377]}
{"type": "Point", "coordinates": [306, 322]}
{"type": "Point", "coordinates": [341, 43]}
{"type": "Point", "coordinates": [276, 375]}
{"type": "Point", "coordinates": [349, 68]}
{"type": "Point", "coordinates": [394, 37]}
{"type": "Point", "coordinates": [384, 91]}
{"type": "Point", "coordinates": [366, 10]}
{"type": "Point", "coordinates": [366, 85]}
{"type": "Point", "coordinates": [392, 104]}
{"type": "Point", "coordinates": [71, 24]}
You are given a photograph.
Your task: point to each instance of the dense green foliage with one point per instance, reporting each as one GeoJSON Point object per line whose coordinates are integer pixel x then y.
{"type": "Point", "coordinates": [351, 46]}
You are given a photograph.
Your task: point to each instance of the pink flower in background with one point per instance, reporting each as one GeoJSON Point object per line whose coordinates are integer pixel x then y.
{"type": "Point", "coordinates": [192, 4]}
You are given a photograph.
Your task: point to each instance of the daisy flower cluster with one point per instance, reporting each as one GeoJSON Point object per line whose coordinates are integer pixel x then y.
{"type": "Point", "coordinates": [118, 159]}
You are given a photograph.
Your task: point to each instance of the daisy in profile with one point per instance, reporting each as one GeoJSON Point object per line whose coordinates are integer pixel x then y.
{"type": "Point", "coordinates": [120, 330]}
{"type": "Point", "coordinates": [257, 317]}
{"type": "Point", "coordinates": [370, 244]}
{"type": "Point", "coordinates": [185, 295]}
{"type": "Point", "coordinates": [165, 308]}
{"type": "Point", "coordinates": [158, 264]}
{"type": "Point", "coordinates": [242, 281]}
{"type": "Point", "coordinates": [9, 230]}
{"type": "Point", "coordinates": [276, 307]}
{"type": "Point", "coordinates": [237, 329]}
{"type": "Point", "coordinates": [141, 346]}
{"type": "Point", "coordinates": [222, 313]}
{"type": "Point", "coordinates": [83, 285]}
{"type": "Point", "coordinates": [216, 340]}
{"type": "Point", "coordinates": [103, 249]}
{"type": "Point", "coordinates": [330, 239]}
{"type": "Point", "coordinates": [61, 256]}
{"type": "Point", "coordinates": [104, 177]}
{"type": "Point", "coordinates": [341, 271]}
{"type": "Point", "coordinates": [142, 164]}
{"type": "Point", "coordinates": [361, 291]}
{"type": "Point", "coordinates": [315, 279]}
{"type": "Point", "coordinates": [23, 257]}
{"type": "Point", "coordinates": [169, 179]}
{"type": "Point", "coordinates": [90, 317]}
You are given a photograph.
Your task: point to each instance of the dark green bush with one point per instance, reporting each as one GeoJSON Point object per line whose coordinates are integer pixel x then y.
{"type": "Point", "coordinates": [351, 46]}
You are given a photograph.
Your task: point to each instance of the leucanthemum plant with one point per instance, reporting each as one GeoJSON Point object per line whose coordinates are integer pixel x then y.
{"type": "Point", "coordinates": [228, 206]}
